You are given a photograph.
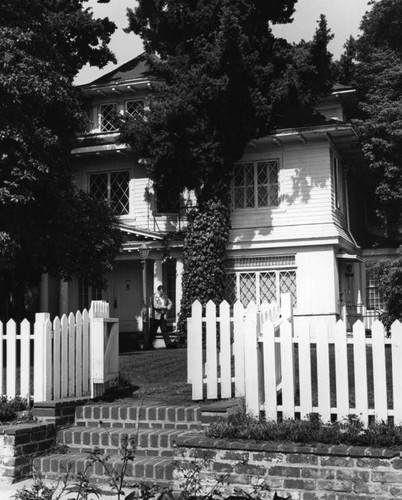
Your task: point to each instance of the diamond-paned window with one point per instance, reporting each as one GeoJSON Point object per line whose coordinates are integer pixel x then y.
{"type": "Point", "coordinates": [113, 188]}
{"type": "Point", "coordinates": [135, 109]}
{"type": "Point", "coordinates": [230, 288]}
{"type": "Point", "coordinates": [248, 288]}
{"type": "Point", "coordinates": [260, 285]}
{"type": "Point", "coordinates": [109, 117]}
{"type": "Point", "coordinates": [268, 287]}
{"type": "Point", "coordinates": [287, 284]}
{"type": "Point", "coordinates": [255, 185]}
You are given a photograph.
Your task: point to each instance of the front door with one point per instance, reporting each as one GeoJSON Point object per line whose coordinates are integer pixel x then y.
{"type": "Point", "coordinates": [127, 300]}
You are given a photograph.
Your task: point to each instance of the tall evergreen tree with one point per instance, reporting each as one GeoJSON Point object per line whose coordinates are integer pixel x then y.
{"type": "Point", "coordinates": [373, 63]}
{"type": "Point", "coordinates": [45, 223]}
{"type": "Point", "coordinates": [227, 80]}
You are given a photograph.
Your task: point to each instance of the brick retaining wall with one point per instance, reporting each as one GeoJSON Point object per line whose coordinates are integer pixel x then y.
{"type": "Point", "coordinates": [304, 472]}
{"type": "Point", "coordinates": [19, 444]}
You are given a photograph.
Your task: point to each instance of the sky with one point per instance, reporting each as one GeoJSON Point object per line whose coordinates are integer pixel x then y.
{"type": "Point", "coordinates": [343, 18]}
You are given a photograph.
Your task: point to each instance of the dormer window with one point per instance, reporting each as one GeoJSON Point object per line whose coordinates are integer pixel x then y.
{"type": "Point", "coordinates": [108, 117]}
{"type": "Point", "coordinates": [255, 184]}
{"type": "Point", "coordinates": [135, 109]}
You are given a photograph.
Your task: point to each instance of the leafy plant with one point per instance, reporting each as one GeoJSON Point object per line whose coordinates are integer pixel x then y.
{"type": "Point", "coordinates": [311, 430]}
{"type": "Point", "coordinates": [9, 407]}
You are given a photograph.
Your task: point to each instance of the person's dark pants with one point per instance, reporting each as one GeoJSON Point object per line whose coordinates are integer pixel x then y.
{"type": "Point", "coordinates": [162, 324]}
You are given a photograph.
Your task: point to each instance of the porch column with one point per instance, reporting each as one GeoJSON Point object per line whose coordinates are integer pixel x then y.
{"type": "Point", "coordinates": [158, 275]}
{"type": "Point", "coordinates": [63, 304]}
{"type": "Point", "coordinates": [179, 290]}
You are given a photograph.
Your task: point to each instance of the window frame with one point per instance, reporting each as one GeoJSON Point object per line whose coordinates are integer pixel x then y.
{"type": "Point", "coordinates": [139, 100]}
{"type": "Point", "coordinates": [115, 104]}
{"type": "Point", "coordinates": [109, 198]}
{"type": "Point", "coordinates": [374, 299]}
{"type": "Point", "coordinates": [258, 271]}
{"type": "Point", "coordinates": [257, 186]}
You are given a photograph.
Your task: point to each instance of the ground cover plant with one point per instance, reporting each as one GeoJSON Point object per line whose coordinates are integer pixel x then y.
{"type": "Point", "coordinates": [312, 431]}
{"type": "Point", "coordinates": [10, 408]}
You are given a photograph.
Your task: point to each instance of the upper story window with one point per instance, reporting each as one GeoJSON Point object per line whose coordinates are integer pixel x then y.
{"type": "Point", "coordinates": [136, 109]}
{"type": "Point", "coordinates": [339, 180]}
{"type": "Point", "coordinates": [255, 184]}
{"type": "Point", "coordinates": [109, 117]}
{"type": "Point", "coordinates": [112, 187]}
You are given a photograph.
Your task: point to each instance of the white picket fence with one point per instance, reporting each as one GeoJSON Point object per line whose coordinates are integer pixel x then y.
{"type": "Point", "coordinates": [222, 372]}
{"type": "Point", "coordinates": [69, 357]}
{"type": "Point", "coordinates": [287, 373]}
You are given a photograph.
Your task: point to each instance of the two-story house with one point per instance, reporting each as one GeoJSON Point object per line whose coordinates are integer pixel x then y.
{"type": "Point", "coordinates": [290, 212]}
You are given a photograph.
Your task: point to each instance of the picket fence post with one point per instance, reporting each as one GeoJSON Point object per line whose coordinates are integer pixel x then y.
{"type": "Point", "coordinates": [211, 368]}
{"type": "Point", "coordinates": [341, 368]}
{"type": "Point", "coordinates": [195, 364]}
{"type": "Point", "coordinates": [252, 388]}
{"type": "Point", "coordinates": [11, 352]}
{"type": "Point", "coordinates": [304, 341]}
{"type": "Point", "coordinates": [379, 372]}
{"type": "Point", "coordinates": [25, 367]}
{"type": "Point", "coordinates": [238, 348]}
{"type": "Point", "coordinates": [360, 370]}
{"type": "Point", "coordinates": [225, 350]}
{"type": "Point", "coordinates": [396, 347]}
{"type": "Point", "coordinates": [104, 343]}
{"type": "Point", "coordinates": [270, 403]}
{"type": "Point", "coordinates": [39, 356]}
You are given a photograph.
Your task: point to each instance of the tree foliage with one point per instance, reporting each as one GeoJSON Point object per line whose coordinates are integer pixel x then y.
{"type": "Point", "coordinates": [226, 80]}
{"type": "Point", "coordinates": [373, 63]}
{"type": "Point", "coordinates": [45, 224]}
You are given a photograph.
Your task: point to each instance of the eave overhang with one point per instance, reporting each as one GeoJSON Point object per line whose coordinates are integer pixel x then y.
{"type": "Point", "coordinates": [126, 87]}
{"type": "Point", "coordinates": [344, 137]}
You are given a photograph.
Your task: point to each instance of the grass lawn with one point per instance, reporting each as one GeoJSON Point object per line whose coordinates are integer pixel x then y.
{"type": "Point", "coordinates": [151, 371]}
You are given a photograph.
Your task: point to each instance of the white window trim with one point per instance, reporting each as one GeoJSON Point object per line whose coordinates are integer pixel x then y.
{"type": "Point", "coordinates": [255, 162]}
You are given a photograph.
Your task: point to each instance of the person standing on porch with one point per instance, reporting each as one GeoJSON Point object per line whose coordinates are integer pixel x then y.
{"type": "Point", "coordinates": [160, 305]}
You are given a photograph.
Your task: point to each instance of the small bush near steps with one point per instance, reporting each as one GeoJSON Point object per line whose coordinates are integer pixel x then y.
{"type": "Point", "coordinates": [14, 410]}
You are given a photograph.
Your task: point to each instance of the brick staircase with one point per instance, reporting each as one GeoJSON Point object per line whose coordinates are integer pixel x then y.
{"type": "Point", "coordinates": [156, 428]}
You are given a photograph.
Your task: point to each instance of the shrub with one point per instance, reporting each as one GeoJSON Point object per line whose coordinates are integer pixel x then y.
{"type": "Point", "coordinates": [10, 407]}
{"type": "Point", "coordinates": [311, 430]}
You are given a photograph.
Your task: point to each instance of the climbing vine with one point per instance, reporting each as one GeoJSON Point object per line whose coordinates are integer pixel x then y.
{"type": "Point", "coordinates": [204, 257]}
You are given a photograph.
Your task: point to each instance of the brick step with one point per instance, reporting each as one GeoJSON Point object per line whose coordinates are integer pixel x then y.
{"type": "Point", "coordinates": [150, 442]}
{"type": "Point", "coordinates": [155, 470]}
{"type": "Point", "coordinates": [133, 414]}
